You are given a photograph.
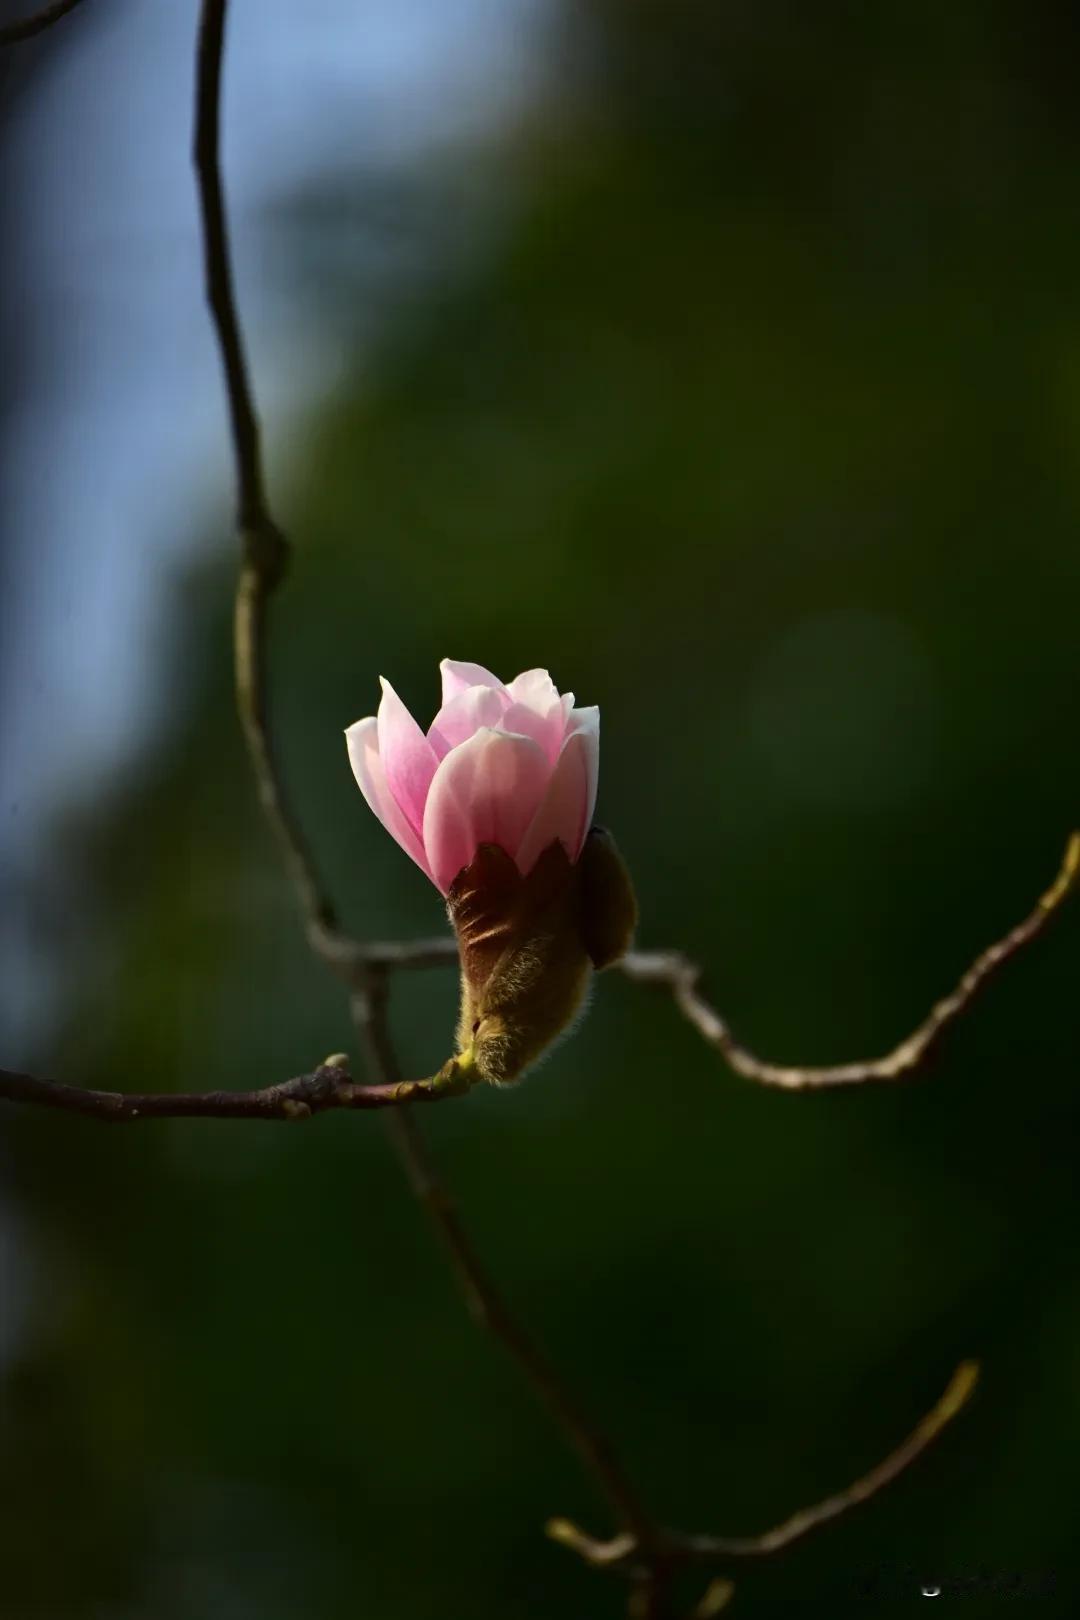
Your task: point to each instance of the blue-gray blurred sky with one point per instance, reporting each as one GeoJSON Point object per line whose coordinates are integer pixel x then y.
{"type": "Point", "coordinates": [118, 424]}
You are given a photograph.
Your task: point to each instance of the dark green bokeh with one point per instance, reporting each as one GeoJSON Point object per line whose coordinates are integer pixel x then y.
{"type": "Point", "coordinates": [760, 427]}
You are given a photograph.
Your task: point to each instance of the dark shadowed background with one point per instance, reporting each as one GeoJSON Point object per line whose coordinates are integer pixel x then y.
{"type": "Point", "coordinates": [725, 360]}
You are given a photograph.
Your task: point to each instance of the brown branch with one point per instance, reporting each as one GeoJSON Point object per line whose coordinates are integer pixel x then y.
{"type": "Point", "coordinates": [677, 973]}
{"type": "Point", "coordinates": [12, 33]}
{"type": "Point", "coordinates": [352, 960]}
{"type": "Point", "coordinates": [955, 1397]}
{"type": "Point", "coordinates": [625, 1553]}
{"type": "Point", "coordinates": [329, 1086]}
{"type": "Point", "coordinates": [265, 549]}
{"type": "Point", "coordinates": [486, 1305]}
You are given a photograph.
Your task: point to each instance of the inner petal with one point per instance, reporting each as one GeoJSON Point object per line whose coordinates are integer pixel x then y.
{"type": "Point", "coordinates": [535, 689]}
{"type": "Point", "coordinates": [485, 791]}
{"type": "Point", "coordinates": [545, 729]}
{"type": "Point", "coordinates": [463, 716]}
{"type": "Point", "coordinates": [457, 677]}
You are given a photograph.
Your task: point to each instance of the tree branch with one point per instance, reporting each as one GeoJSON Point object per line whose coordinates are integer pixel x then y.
{"type": "Point", "coordinates": [365, 966]}
{"type": "Point", "coordinates": [672, 971]}
{"type": "Point", "coordinates": [486, 1305]}
{"type": "Point", "coordinates": [265, 548]}
{"type": "Point", "coordinates": [12, 33]}
{"type": "Point", "coordinates": [624, 1552]}
{"type": "Point", "coordinates": [329, 1086]}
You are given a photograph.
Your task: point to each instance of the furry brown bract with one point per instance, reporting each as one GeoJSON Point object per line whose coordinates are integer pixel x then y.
{"type": "Point", "coordinates": [528, 946]}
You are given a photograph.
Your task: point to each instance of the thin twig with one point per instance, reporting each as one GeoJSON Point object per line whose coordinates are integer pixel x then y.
{"type": "Point", "coordinates": [352, 959]}
{"type": "Point", "coordinates": [624, 1552]}
{"type": "Point", "coordinates": [677, 973]}
{"type": "Point", "coordinates": [265, 549]}
{"type": "Point", "coordinates": [11, 33]}
{"type": "Point", "coordinates": [486, 1305]}
{"type": "Point", "coordinates": [327, 1087]}
{"type": "Point", "coordinates": [955, 1397]}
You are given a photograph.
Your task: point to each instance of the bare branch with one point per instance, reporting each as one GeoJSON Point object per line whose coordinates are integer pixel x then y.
{"type": "Point", "coordinates": [623, 1552]}
{"type": "Point", "coordinates": [351, 960]}
{"type": "Point", "coordinates": [677, 973]}
{"type": "Point", "coordinates": [955, 1397]}
{"type": "Point", "coordinates": [265, 549]}
{"type": "Point", "coordinates": [328, 1086]}
{"type": "Point", "coordinates": [12, 33]}
{"type": "Point", "coordinates": [486, 1305]}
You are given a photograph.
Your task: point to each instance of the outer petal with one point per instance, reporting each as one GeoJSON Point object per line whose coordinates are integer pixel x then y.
{"type": "Point", "coordinates": [567, 809]}
{"type": "Point", "coordinates": [587, 719]}
{"type": "Point", "coordinates": [484, 792]}
{"type": "Point", "coordinates": [407, 757]}
{"type": "Point", "coordinates": [586, 723]}
{"type": "Point", "coordinates": [363, 744]}
{"type": "Point", "coordinates": [456, 677]}
{"type": "Point", "coordinates": [464, 715]}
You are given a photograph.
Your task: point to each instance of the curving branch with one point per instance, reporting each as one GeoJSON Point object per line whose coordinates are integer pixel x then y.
{"type": "Point", "coordinates": [672, 971]}
{"type": "Point", "coordinates": [264, 546]}
{"type": "Point", "coordinates": [27, 27]}
{"type": "Point", "coordinates": [625, 1554]}
{"type": "Point", "coordinates": [483, 1298]}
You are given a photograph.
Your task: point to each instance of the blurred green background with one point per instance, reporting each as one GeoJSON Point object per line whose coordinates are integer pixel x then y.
{"type": "Point", "coordinates": [754, 417]}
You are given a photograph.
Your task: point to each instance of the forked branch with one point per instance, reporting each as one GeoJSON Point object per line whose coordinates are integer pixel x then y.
{"type": "Point", "coordinates": [624, 1552]}
{"type": "Point", "coordinates": [360, 965]}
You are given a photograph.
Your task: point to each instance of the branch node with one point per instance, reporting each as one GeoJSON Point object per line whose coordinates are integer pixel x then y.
{"type": "Point", "coordinates": [265, 551]}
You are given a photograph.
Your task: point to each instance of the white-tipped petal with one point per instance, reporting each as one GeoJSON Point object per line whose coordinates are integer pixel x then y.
{"type": "Point", "coordinates": [566, 810]}
{"type": "Point", "coordinates": [362, 740]}
{"type": "Point", "coordinates": [456, 676]}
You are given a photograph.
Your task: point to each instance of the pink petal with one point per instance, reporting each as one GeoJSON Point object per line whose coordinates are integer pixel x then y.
{"type": "Point", "coordinates": [464, 715]}
{"type": "Point", "coordinates": [456, 677]}
{"type": "Point", "coordinates": [586, 723]}
{"type": "Point", "coordinates": [587, 719]}
{"type": "Point", "coordinates": [485, 791]}
{"type": "Point", "coordinates": [408, 758]}
{"type": "Point", "coordinates": [536, 689]}
{"type": "Point", "coordinates": [363, 744]}
{"type": "Point", "coordinates": [567, 808]}
{"type": "Point", "coordinates": [544, 729]}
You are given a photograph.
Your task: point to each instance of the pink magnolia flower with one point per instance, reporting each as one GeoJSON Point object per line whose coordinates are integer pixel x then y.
{"type": "Point", "coordinates": [511, 765]}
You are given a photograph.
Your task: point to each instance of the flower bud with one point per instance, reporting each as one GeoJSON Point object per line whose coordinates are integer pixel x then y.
{"type": "Point", "coordinates": [494, 803]}
{"type": "Point", "coordinates": [528, 945]}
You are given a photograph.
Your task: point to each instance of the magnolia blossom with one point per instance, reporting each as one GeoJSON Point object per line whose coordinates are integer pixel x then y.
{"type": "Point", "coordinates": [512, 765]}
